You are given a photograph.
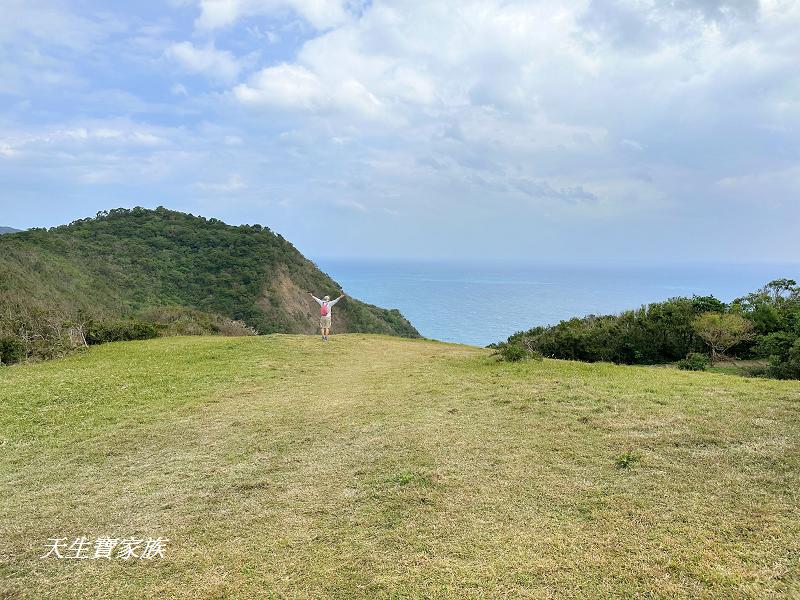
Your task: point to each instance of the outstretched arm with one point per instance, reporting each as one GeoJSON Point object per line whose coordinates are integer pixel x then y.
{"type": "Point", "coordinates": [332, 302]}
{"type": "Point", "coordinates": [315, 298]}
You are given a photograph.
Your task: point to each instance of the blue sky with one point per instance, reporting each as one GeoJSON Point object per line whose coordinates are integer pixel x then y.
{"type": "Point", "coordinates": [613, 131]}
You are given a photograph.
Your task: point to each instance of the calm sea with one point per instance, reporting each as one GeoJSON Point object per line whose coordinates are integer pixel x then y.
{"type": "Point", "coordinates": [483, 303]}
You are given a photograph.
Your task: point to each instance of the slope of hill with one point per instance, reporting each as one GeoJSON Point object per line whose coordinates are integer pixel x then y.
{"type": "Point", "coordinates": [373, 466]}
{"type": "Point", "coordinates": [126, 261]}
{"type": "Point", "coordinates": [8, 230]}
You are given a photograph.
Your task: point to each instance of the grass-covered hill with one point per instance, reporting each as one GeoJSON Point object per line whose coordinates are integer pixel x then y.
{"type": "Point", "coordinates": [125, 262]}
{"type": "Point", "coordinates": [380, 467]}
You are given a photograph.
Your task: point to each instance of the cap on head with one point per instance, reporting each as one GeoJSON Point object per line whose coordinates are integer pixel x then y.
{"type": "Point", "coordinates": [326, 298]}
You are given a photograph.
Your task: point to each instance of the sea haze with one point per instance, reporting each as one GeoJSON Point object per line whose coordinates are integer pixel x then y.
{"type": "Point", "coordinates": [484, 303]}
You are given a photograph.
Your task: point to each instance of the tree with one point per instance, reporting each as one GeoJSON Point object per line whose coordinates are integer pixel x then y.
{"type": "Point", "coordinates": [781, 289]}
{"type": "Point", "coordinates": [703, 304]}
{"type": "Point", "coordinates": [722, 331]}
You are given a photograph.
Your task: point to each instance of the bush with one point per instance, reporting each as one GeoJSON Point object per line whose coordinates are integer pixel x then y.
{"type": "Point", "coordinates": [512, 352]}
{"type": "Point", "coordinates": [694, 361]}
{"type": "Point", "coordinates": [182, 320]}
{"type": "Point", "coordinates": [236, 328]}
{"type": "Point", "coordinates": [515, 352]}
{"type": "Point", "coordinates": [12, 351]}
{"type": "Point", "coordinates": [30, 329]}
{"type": "Point", "coordinates": [787, 365]}
{"type": "Point", "coordinates": [656, 333]}
{"type": "Point", "coordinates": [774, 344]}
{"type": "Point", "coordinates": [121, 331]}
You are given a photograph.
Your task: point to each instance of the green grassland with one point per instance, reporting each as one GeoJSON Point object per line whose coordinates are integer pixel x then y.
{"type": "Point", "coordinates": [374, 466]}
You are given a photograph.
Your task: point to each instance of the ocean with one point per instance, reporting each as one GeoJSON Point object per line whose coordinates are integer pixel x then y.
{"type": "Point", "coordinates": [481, 303]}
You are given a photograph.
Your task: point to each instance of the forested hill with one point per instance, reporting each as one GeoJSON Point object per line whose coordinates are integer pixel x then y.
{"type": "Point", "coordinates": [7, 230]}
{"type": "Point", "coordinates": [123, 262]}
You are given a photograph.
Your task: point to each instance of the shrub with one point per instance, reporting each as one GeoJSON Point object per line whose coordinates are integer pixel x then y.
{"type": "Point", "coordinates": [182, 320]}
{"type": "Point", "coordinates": [511, 352]}
{"type": "Point", "coordinates": [32, 330]}
{"type": "Point", "coordinates": [12, 350]}
{"type": "Point", "coordinates": [758, 371]}
{"type": "Point", "coordinates": [236, 328]}
{"type": "Point", "coordinates": [120, 331]}
{"type": "Point", "coordinates": [694, 361]}
{"type": "Point", "coordinates": [786, 366]}
{"type": "Point", "coordinates": [517, 351]}
{"type": "Point", "coordinates": [656, 333]}
{"type": "Point", "coordinates": [774, 344]}
{"type": "Point", "coordinates": [764, 324]}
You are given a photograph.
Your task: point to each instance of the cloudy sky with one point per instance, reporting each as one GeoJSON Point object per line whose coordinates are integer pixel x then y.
{"type": "Point", "coordinates": [613, 130]}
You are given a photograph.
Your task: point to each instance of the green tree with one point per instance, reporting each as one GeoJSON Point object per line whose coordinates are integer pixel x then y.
{"type": "Point", "coordinates": [722, 331]}
{"type": "Point", "coordinates": [703, 304]}
{"type": "Point", "coordinates": [782, 289]}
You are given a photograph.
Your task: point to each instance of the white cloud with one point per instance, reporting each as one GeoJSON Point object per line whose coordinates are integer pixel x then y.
{"type": "Point", "coordinates": [295, 88]}
{"type": "Point", "coordinates": [455, 113]}
{"type": "Point", "coordinates": [320, 14]}
{"type": "Point", "coordinates": [48, 21]}
{"type": "Point", "coordinates": [219, 65]}
{"type": "Point", "coordinates": [41, 44]}
{"type": "Point", "coordinates": [284, 86]}
{"type": "Point", "coordinates": [112, 133]}
{"type": "Point", "coordinates": [541, 89]}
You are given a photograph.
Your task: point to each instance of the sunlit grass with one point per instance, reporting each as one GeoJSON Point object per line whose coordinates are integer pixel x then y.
{"type": "Point", "coordinates": [381, 467]}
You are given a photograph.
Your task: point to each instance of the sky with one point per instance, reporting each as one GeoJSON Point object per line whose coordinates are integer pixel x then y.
{"type": "Point", "coordinates": [613, 131]}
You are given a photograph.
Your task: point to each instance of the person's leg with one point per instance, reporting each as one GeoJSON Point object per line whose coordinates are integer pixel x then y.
{"type": "Point", "coordinates": [326, 323]}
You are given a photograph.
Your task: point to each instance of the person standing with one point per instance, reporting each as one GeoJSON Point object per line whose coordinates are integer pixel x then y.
{"type": "Point", "coordinates": [325, 310]}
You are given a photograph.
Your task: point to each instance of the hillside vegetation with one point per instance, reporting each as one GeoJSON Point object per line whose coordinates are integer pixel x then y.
{"type": "Point", "coordinates": [377, 467]}
{"type": "Point", "coordinates": [127, 263]}
{"type": "Point", "coordinates": [762, 325]}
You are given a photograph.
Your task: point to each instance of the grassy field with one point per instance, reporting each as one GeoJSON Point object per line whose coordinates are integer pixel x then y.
{"type": "Point", "coordinates": [370, 466]}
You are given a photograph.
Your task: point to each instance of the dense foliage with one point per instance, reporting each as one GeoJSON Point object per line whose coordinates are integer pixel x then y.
{"type": "Point", "coordinates": [694, 361]}
{"type": "Point", "coordinates": [764, 324]}
{"type": "Point", "coordinates": [168, 271]}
